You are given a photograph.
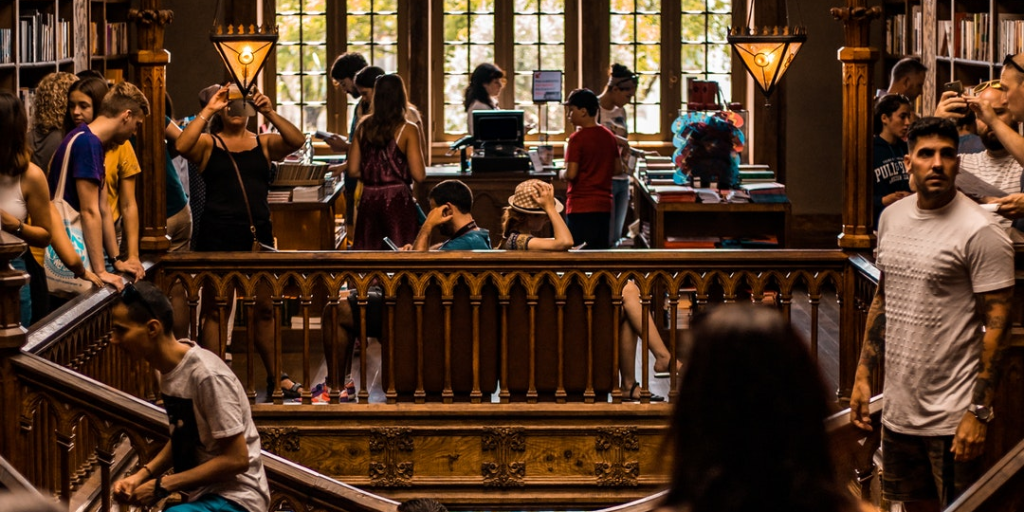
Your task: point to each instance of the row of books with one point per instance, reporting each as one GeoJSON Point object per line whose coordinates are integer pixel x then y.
{"type": "Point", "coordinates": [291, 172]}
{"type": "Point", "coordinates": [1011, 31]}
{"type": "Point", "coordinates": [42, 38]}
{"type": "Point", "coordinates": [309, 194]}
{"type": "Point", "coordinates": [896, 33]}
{"type": "Point", "coordinates": [116, 39]}
{"type": "Point", "coordinates": [966, 36]}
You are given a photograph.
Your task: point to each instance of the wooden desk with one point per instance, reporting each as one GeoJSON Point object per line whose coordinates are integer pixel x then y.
{"type": "Point", "coordinates": [727, 220]}
{"type": "Point", "coordinates": [491, 191]}
{"type": "Point", "coordinates": [307, 226]}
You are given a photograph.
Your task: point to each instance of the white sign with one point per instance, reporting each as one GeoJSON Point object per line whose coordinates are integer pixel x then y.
{"type": "Point", "coordinates": [547, 86]}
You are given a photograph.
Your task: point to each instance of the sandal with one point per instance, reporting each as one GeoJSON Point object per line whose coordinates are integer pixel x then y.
{"type": "Point", "coordinates": [632, 390]}
{"type": "Point", "coordinates": [292, 392]}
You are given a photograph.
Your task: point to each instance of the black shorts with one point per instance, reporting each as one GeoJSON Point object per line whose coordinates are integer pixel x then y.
{"type": "Point", "coordinates": [919, 468]}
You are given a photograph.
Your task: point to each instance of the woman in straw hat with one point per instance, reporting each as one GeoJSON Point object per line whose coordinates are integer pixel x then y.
{"type": "Point", "coordinates": [529, 210]}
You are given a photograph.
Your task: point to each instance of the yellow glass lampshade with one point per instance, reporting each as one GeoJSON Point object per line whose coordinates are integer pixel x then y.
{"type": "Point", "coordinates": [767, 57]}
{"type": "Point", "coordinates": [244, 52]}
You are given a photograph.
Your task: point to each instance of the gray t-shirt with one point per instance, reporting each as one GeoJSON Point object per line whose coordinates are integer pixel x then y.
{"type": "Point", "coordinates": [205, 403]}
{"type": "Point", "coordinates": [934, 262]}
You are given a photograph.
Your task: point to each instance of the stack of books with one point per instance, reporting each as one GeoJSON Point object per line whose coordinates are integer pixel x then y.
{"type": "Point", "coordinates": [307, 194]}
{"type": "Point", "coordinates": [279, 196]}
{"type": "Point", "coordinates": [674, 193]}
{"type": "Point", "coordinates": [692, 242]}
{"type": "Point", "coordinates": [765, 192]}
{"type": "Point", "coordinates": [756, 173]}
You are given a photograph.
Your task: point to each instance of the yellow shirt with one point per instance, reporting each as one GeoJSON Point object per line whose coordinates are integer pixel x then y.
{"type": "Point", "coordinates": [120, 163]}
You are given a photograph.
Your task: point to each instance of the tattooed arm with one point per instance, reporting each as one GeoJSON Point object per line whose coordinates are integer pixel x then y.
{"type": "Point", "coordinates": [871, 353]}
{"type": "Point", "coordinates": [969, 441]}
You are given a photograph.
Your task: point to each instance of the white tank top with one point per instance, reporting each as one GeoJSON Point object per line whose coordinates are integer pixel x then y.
{"type": "Point", "coordinates": [12, 200]}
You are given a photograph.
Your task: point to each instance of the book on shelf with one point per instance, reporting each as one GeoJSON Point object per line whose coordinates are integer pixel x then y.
{"type": "Point", "coordinates": [692, 242]}
{"type": "Point", "coordinates": [1011, 34]}
{"type": "Point", "coordinates": [6, 46]}
{"type": "Point", "coordinates": [971, 36]}
{"type": "Point", "coordinates": [915, 32]}
{"type": "Point", "coordinates": [895, 34]}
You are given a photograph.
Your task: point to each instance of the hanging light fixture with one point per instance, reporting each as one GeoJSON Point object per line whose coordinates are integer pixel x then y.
{"type": "Point", "coordinates": [244, 52]}
{"type": "Point", "coordinates": [768, 52]}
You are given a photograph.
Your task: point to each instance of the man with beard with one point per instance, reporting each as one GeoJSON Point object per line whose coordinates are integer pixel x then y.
{"type": "Point", "coordinates": [937, 327]}
{"type": "Point", "coordinates": [343, 73]}
{"type": "Point", "coordinates": [995, 166]}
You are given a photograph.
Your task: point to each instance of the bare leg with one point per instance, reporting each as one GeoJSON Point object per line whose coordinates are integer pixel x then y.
{"type": "Point", "coordinates": [341, 345]}
{"type": "Point", "coordinates": [633, 311]}
{"type": "Point", "coordinates": [627, 356]}
{"type": "Point", "coordinates": [263, 314]}
{"type": "Point", "coordinates": [179, 304]}
{"type": "Point", "coordinates": [209, 319]}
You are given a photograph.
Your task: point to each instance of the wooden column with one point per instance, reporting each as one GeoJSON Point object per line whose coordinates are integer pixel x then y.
{"type": "Point", "coordinates": [151, 61]}
{"type": "Point", "coordinates": [12, 338]}
{"type": "Point", "coordinates": [857, 58]}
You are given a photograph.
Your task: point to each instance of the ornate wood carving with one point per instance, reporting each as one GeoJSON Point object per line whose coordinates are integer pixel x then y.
{"type": "Point", "coordinates": [503, 472]}
{"type": "Point", "coordinates": [275, 439]}
{"type": "Point", "coordinates": [387, 444]}
{"type": "Point", "coordinates": [617, 472]}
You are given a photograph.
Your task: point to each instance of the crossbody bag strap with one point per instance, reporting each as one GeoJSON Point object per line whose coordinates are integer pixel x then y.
{"type": "Point", "coordinates": [59, 193]}
{"type": "Point", "coordinates": [245, 197]}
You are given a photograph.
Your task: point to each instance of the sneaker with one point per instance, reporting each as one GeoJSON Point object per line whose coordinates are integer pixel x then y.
{"type": "Point", "coordinates": [321, 395]}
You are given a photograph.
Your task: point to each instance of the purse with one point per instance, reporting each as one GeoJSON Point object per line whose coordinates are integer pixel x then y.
{"type": "Point", "coordinates": [59, 278]}
{"type": "Point", "coordinates": [257, 246]}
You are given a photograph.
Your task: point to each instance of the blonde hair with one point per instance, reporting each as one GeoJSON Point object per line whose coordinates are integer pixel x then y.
{"type": "Point", "coordinates": [124, 96]}
{"type": "Point", "coordinates": [51, 101]}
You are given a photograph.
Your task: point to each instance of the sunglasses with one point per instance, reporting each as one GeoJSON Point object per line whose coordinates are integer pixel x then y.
{"type": "Point", "coordinates": [130, 295]}
{"type": "Point", "coordinates": [1008, 61]}
{"type": "Point", "coordinates": [995, 84]}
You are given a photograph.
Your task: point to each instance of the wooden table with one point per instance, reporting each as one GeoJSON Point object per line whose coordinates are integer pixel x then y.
{"type": "Point", "coordinates": [307, 226]}
{"type": "Point", "coordinates": [491, 191]}
{"type": "Point", "coordinates": [663, 219]}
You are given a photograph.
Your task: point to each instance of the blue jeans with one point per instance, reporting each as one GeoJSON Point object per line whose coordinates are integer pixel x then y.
{"type": "Point", "coordinates": [25, 294]}
{"type": "Point", "coordinates": [620, 205]}
{"type": "Point", "coordinates": [208, 503]}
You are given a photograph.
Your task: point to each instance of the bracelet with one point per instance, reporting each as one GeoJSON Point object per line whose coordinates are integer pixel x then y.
{"type": "Point", "coordinates": [146, 467]}
{"type": "Point", "coordinates": [201, 116]}
{"type": "Point", "coordinates": [17, 230]}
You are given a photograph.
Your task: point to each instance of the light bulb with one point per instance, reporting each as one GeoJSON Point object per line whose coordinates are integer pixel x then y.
{"type": "Point", "coordinates": [245, 57]}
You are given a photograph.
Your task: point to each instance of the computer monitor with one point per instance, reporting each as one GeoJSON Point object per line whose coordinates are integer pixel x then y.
{"type": "Point", "coordinates": [498, 128]}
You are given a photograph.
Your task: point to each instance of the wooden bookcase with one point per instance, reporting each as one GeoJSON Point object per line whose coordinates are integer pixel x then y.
{"type": "Point", "coordinates": [110, 38]}
{"type": "Point", "coordinates": [40, 37]}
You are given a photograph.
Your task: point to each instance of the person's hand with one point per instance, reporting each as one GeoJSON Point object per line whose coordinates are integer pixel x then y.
{"type": "Point", "coordinates": [895, 196]}
{"type": "Point", "coordinates": [8, 222]}
{"type": "Point", "coordinates": [860, 405]}
{"type": "Point", "coordinates": [337, 142]}
{"type": "Point", "coordinates": [1011, 206]}
{"type": "Point", "coordinates": [969, 441]}
{"type": "Point", "coordinates": [132, 267]}
{"type": "Point", "coordinates": [949, 104]}
{"type": "Point", "coordinates": [125, 487]}
{"type": "Point", "coordinates": [983, 109]}
{"type": "Point", "coordinates": [262, 102]}
{"type": "Point", "coordinates": [88, 275]}
{"type": "Point", "coordinates": [107, 278]}
{"type": "Point", "coordinates": [144, 494]}
{"type": "Point", "coordinates": [219, 100]}
{"type": "Point", "coordinates": [438, 216]}
{"type": "Point", "coordinates": [406, 247]}
{"type": "Point", "coordinates": [544, 194]}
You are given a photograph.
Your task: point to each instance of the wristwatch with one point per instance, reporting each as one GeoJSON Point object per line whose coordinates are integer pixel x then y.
{"type": "Point", "coordinates": [982, 412]}
{"type": "Point", "coordinates": [159, 492]}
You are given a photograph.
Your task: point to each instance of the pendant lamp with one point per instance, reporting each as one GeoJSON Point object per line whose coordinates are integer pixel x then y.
{"type": "Point", "coordinates": [768, 52]}
{"type": "Point", "coordinates": [244, 51]}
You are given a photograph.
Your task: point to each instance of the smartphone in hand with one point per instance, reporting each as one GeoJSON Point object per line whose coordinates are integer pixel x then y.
{"type": "Point", "coordinates": [390, 243]}
{"type": "Point", "coordinates": [320, 134]}
{"type": "Point", "coordinates": [955, 86]}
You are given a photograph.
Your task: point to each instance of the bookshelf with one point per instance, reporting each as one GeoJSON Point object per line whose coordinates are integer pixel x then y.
{"type": "Point", "coordinates": [966, 39]}
{"type": "Point", "coordinates": [37, 37]}
{"type": "Point", "coordinates": [109, 38]}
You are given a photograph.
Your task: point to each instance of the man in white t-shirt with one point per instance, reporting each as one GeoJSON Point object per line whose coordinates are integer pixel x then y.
{"type": "Point", "coordinates": [939, 320]}
{"type": "Point", "coordinates": [214, 447]}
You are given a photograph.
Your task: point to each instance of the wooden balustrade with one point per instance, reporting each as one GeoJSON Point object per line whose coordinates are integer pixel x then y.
{"type": "Point", "coordinates": [57, 405]}
{"type": "Point", "coordinates": [528, 327]}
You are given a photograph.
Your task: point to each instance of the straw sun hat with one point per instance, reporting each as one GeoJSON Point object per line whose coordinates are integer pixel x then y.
{"type": "Point", "coordinates": [523, 200]}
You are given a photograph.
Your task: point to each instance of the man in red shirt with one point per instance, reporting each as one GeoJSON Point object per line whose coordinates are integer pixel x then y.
{"type": "Point", "coordinates": [591, 159]}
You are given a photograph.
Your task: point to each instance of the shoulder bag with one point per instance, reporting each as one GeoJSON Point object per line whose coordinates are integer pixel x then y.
{"type": "Point", "coordinates": [257, 246]}
{"type": "Point", "coordinates": [59, 278]}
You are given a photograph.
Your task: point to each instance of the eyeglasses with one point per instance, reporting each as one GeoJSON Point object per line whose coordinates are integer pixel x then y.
{"type": "Point", "coordinates": [130, 295]}
{"type": "Point", "coordinates": [995, 84]}
{"type": "Point", "coordinates": [1008, 61]}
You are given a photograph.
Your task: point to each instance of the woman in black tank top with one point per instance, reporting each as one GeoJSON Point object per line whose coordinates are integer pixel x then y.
{"type": "Point", "coordinates": [226, 218]}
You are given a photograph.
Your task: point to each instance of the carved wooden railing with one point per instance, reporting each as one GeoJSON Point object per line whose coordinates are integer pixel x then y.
{"type": "Point", "coordinates": [60, 406]}
{"type": "Point", "coordinates": [530, 327]}
{"type": "Point", "coordinates": [1000, 488]}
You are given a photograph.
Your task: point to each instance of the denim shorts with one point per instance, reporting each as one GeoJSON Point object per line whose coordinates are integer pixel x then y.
{"type": "Point", "coordinates": [919, 468]}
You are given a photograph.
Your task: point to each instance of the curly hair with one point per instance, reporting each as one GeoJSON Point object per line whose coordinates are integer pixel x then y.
{"type": "Point", "coordinates": [51, 102]}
